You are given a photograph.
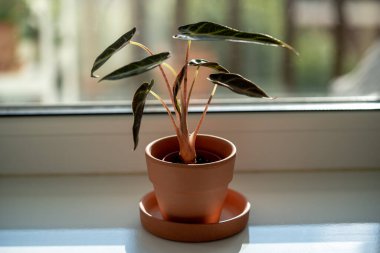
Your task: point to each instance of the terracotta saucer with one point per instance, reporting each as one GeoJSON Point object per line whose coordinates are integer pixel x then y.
{"type": "Point", "coordinates": [234, 218]}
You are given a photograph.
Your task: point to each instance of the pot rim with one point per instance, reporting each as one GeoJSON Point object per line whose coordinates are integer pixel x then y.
{"type": "Point", "coordinates": [216, 163]}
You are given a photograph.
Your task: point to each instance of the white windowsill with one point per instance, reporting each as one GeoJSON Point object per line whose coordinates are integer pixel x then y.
{"type": "Point", "coordinates": [72, 183]}
{"type": "Point", "coordinates": [100, 214]}
{"type": "Point", "coordinates": [41, 202]}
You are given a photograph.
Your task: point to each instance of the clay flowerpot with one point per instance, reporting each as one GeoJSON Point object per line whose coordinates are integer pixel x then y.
{"type": "Point", "coordinates": [191, 193]}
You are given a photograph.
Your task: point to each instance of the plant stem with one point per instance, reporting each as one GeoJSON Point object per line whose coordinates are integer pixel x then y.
{"type": "Point", "coordinates": [192, 85]}
{"type": "Point", "coordinates": [196, 131]}
{"type": "Point", "coordinates": [166, 108]}
{"type": "Point", "coordinates": [161, 69]}
{"type": "Point", "coordinates": [169, 67]}
{"type": "Point", "coordinates": [146, 49]}
{"type": "Point", "coordinates": [186, 141]}
{"type": "Point", "coordinates": [185, 78]}
{"type": "Point", "coordinates": [184, 104]}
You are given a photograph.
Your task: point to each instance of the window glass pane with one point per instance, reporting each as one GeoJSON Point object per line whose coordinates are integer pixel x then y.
{"type": "Point", "coordinates": [47, 47]}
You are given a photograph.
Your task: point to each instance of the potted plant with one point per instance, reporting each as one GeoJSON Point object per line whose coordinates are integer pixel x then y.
{"type": "Point", "coordinates": [190, 172]}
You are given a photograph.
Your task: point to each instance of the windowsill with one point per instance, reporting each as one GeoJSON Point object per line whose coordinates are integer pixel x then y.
{"type": "Point", "coordinates": [87, 213]}
{"type": "Point", "coordinates": [39, 202]}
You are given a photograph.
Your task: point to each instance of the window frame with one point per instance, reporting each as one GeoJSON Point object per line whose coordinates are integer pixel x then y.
{"type": "Point", "coordinates": [269, 137]}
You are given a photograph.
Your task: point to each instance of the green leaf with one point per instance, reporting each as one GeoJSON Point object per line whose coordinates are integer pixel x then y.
{"type": "Point", "coordinates": [138, 105]}
{"type": "Point", "coordinates": [177, 86]}
{"type": "Point", "coordinates": [212, 31]}
{"type": "Point", "coordinates": [208, 64]}
{"type": "Point", "coordinates": [238, 84]}
{"type": "Point", "coordinates": [138, 67]}
{"type": "Point", "coordinates": [112, 49]}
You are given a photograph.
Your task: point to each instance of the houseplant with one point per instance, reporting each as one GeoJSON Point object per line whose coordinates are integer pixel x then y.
{"type": "Point", "coordinates": [187, 165]}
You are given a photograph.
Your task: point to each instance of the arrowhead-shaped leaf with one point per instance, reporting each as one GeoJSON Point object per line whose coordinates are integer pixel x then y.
{"type": "Point", "coordinates": [177, 86]}
{"type": "Point", "coordinates": [208, 64]}
{"type": "Point", "coordinates": [138, 105]}
{"type": "Point", "coordinates": [138, 67]}
{"type": "Point", "coordinates": [212, 31]}
{"type": "Point", "coordinates": [113, 48]}
{"type": "Point", "coordinates": [238, 84]}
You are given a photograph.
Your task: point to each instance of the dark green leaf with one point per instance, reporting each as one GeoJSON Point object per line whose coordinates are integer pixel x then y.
{"type": "Point", "coordinates": [113, 48]}
{"type": "Point", "coordinates": [208, 64]}
{"type": "Point", "coordinates": [138, 67]}
{"type": "Point", "coordinates": [138, 105]}
{"type": "Point", "coordinates": [212, 31]}
{"type": "Point", "coordinates": [177, 86]}
{"type": "Point", "coordinates": [238, 84]}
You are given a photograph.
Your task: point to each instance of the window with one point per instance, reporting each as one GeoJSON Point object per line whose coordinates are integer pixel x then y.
{"type": "Point", "coordinates": [327, 108]}
{"type": "Point", "coordinates": [48, 47]}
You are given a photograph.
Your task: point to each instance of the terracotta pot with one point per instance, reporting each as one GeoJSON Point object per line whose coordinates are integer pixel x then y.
{"type": "Point", "coordinates": [191, 193]}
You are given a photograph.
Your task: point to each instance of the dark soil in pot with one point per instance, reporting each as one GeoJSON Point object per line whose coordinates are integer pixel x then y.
{"type": "Point", "coordinates": [203, 156]}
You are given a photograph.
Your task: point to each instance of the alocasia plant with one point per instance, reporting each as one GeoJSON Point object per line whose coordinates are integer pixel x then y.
{"type": "Point", "coordinates": [180, 91]}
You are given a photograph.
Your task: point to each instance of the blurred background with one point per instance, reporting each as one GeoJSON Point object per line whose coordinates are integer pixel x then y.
{"type": "Point", "coordinates": [47, 47]}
